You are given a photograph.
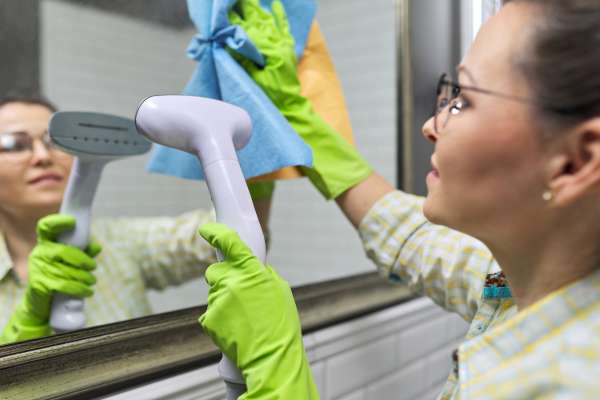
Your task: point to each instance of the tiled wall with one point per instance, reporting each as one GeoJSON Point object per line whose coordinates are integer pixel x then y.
{"type": "Point", "coordinates": [401, 353]}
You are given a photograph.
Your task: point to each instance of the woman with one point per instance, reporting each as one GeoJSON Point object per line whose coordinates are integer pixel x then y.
{"type": "Point", "coordinates": [138, 253]}
{"type": "Point", "coordinates": [506, 237]}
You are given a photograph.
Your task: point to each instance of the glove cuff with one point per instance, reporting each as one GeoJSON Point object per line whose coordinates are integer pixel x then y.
{"type": "Point", "coordinates": [286, 375]}
{"type": "Point", "coordinates": [24, 326]}
{"type": "Point", "coordinates": [261, 190]}
{"type": "Point", "coordinates": [337, 165]}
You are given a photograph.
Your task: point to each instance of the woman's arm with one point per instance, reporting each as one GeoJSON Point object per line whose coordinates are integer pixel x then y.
{"type": "Point", "coordinates": [167, 250]}
{"type": "Point", "coordinates": [432, 260]}
{"type": "Point", "coordinates": [358, 200]}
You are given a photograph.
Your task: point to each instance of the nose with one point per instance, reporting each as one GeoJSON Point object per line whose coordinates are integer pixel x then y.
{"type": "Point", "coordinates": [429, 130]}
{"type": "Point", "coordinates": [40, 154]}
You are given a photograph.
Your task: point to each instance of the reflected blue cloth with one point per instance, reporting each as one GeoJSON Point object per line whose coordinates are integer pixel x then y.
{"type": "Point", "coordinates": [274, 144]}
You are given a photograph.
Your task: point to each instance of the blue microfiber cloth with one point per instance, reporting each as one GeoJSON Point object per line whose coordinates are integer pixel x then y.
{"type": "Point", "coordinates": [274, 143]}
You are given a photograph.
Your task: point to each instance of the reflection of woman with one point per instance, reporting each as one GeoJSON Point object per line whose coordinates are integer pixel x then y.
{"type": "Point", "coordinates": [138, 253]}
{"type": "Point", "coordinates": [516, 165]}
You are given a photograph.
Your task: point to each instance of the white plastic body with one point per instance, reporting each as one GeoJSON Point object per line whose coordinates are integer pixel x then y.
{"type": "Point", "coordinates": [67, 312]}
{"type": "Point", "coordinates": [234, 208]}
{"type": "Point", "coordinates": [212, 130]}
{"type": "Point", "coordinates": [233, 204]}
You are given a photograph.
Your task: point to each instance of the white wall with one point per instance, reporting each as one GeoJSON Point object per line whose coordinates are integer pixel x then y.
{"type": "Point", "coordinates": [93, 60]}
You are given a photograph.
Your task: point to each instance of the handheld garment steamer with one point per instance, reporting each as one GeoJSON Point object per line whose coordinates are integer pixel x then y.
{"type": "Point", "coordinates": [211, 130]}
{"type": "Point", "coordinates": [94, 139]}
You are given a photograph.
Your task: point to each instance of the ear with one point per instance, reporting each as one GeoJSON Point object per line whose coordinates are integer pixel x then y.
{"type": "Point", "coordinates": [576, 170]}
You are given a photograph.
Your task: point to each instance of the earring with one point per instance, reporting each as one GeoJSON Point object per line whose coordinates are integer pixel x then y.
{"type": "Point", "coordinates": [547, 195]}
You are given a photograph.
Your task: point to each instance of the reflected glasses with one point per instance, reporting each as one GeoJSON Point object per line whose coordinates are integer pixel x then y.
{"type": "Point", "coordinates": [448, 101]}
{"type": "Point", "coordinates": [21, 142]}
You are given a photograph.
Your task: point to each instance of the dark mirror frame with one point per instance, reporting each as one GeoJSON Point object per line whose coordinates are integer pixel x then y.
{"type": "Point", "coordinates": [106, 359]}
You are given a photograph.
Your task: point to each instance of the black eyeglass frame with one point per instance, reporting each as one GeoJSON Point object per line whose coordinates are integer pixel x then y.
{"type": "Point", "coordinates": [45, 139]}
{"type": "Point", "coordinates": [456, 89]}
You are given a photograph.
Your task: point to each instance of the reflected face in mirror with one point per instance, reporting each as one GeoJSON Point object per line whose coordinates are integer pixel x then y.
{"type": "Point", "coordinates": [34, 174]}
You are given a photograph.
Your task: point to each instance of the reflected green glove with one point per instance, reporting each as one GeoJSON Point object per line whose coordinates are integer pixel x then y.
{"type": "Point", "coordinates": [53, 267]}
{"type": "Point", "coordinates": [337, 166]}
{"type": "Point", "coordinates": [252, 318]}
{"type": "Point", "coordinates": [261, 190]}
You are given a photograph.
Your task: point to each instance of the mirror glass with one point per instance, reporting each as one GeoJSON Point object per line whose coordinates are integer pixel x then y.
{"type": "Point", "coordinates": [107, 56]}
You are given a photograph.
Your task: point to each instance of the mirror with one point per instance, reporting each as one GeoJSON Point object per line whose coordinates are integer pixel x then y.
{"type": "Point", "coordinates": [107, 56]}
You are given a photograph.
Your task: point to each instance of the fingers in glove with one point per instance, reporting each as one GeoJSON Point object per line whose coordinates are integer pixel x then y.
{"type": "Point", "coordinates": [208, 324]}
{"type": "Point", "coordinates": [58, 252]}
{"type": "Point", "coordinates": [74, 289]}
{"type": "Point", "coordinates": [201, 319]}
{"type": "Point", "coordinates": [216, 272]}
{"type": "Point", "coordinates": [251, 10]}
{"type": "Point", "coordinates": [70, 281]}
{"type": "Point", "coordinates": [235, 18]}
{"type": "Point", "coordinates": [93, 249]}
{"type": "Point", "coordinates": [248, 65]}
{"type": "Point", "coordinates": [62, 272]}
{"type": "Point", "coordinates": [49, 227]}
{"type": "Point", "coordinates": [227, 241]}
{"type": "Point", "coordinates": [281, 17]}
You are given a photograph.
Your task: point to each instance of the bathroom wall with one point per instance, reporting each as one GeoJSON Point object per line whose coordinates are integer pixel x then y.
{"type": "Point", "coordinates": [401, 353]}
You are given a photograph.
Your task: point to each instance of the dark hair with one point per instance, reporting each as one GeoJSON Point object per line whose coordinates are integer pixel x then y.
{"type": "Point", "coordinates": [27, 98]}
{"type": "Point", "coordinates": [562, 60]}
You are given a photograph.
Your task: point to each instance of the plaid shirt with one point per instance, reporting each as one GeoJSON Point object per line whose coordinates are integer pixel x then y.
{"type": "Point", "coordinates": [550, 350]}
{"type": "Point", "coordinates": [137, 254]}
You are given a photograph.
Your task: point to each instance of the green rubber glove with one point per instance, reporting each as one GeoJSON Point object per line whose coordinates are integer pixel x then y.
{"type": "Point", "coordinates": [261, 190]}
{"type": "Point", "coordinates": [53, 267]}
{"type": "Point", "coordinates": [252, 318]}
{"type": "Point", "coordinates": [337, 166]}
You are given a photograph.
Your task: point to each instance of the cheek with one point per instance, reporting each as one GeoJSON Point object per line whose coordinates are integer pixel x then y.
{"type": "Point", "coordinates": [63, 160]}
{"type": "Point", "coordinates": [484, 176]}
{"type": "Point", "coordinates": [12, 180]}
{"type": "Point", "coordinates": [501, 152]}
{"type": "Point", "coordinates": [12, 172]}
{"type": "Point", "coordinates": [472, 163]}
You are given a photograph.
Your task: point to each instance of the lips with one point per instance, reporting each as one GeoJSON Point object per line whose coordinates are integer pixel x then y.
{"type": "Point", "coordinates": [49, 177]}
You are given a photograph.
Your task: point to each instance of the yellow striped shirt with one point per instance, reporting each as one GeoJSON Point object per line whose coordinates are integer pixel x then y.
{"type": "Point", "coordinates": [550, 350]}
{"type": "Point", "coordinates": [137, 254]}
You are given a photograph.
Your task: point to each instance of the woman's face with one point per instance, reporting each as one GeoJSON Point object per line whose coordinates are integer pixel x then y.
{"type": "Point", "coordinates": [488, 161]}
{"type": "Point", "coordinates": [32, 182]}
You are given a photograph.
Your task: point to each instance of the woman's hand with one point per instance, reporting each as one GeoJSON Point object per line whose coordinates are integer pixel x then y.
{"type": "Point", "coordinates": [53, 267]}
{"type": "Point", "coordinates": [252, 318]}
{"type": "Point", "coordinates": [270, 33]}
{"type": "Point", "coordinates": [337, 166]}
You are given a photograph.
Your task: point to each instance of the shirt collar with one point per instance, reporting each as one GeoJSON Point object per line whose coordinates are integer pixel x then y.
{"type": "Point", "coordinates": [6, 263]}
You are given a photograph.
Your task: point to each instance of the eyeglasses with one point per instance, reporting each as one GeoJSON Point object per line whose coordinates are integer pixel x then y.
{"type": "Point", "coordinates": [449, 103]}
{"type": "Point", "coordinates": [20, 142]}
